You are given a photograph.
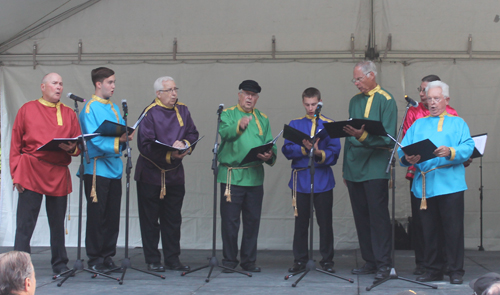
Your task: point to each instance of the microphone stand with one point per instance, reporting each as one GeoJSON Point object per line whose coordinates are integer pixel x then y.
{"type": "Point", "coordinates": [392, 162]}
{"type": "Point", "coordinates": [481, 248]}
{"type": "Point", "coordinates": [213, 262]}
{"type": "Point", "coordinates": [79, 262]}
{"type": "Point", "coordinates": [311, 264]}
{"type": "Point", "coordinates": [126, 263]}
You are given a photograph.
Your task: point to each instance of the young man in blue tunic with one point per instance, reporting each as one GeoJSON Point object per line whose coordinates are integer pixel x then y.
{"type": "Point", "coordinates": [326, 154]}
{"type": "Point", "coordinates": [102, 177]}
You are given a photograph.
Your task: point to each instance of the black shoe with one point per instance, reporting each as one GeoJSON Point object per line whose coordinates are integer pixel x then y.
{"type": "Point", "coordinates": [382, 273]}
{"type": "Point", "coordinates": [177, 266]}
{"type": "Point", "coordinates": [328, 266]}
{"type": "Point", "coordinates": [297, 266]}
{"type": "Point", "coordinates": [429, 277]}
{"type": "Point", "coordinates": [99, 268]}
{"type": "Point", "coordinates": [251, 267]}
{"type": "Point", "coordinates": [156, 267]}
{"type": "Point", "coordinates": [365, 270]}
{"type": "Point", "coordinates": [109, 264]}
{"type": "Point", "coordinates": [456, 279]}
{"type": "Point", "coordinates": [419, 270]}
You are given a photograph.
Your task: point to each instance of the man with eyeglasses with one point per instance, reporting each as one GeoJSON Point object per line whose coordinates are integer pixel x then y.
{"type": "Point", "coordinates": [160, 175]}
{"type": "Point", "coordinates": [440, 183]}
{"type": "Point", "coordinates": [414, 113]}
{"type": "Point", "coordinates": [365, 160]}
{"type": "Point", "coordinates": [242, 128]}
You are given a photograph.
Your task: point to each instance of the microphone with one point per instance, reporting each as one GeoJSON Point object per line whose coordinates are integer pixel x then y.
{"type": "Point", "coordinates": [221, 107]}
{"type": "Point", "coordinates": [411, 101]}
{"type": "Point", "coordinates": [74, 97]}
{"type": "Point", "coordinates": [125, 107]}
{"type": "Point", "coordinates": [318, 109]}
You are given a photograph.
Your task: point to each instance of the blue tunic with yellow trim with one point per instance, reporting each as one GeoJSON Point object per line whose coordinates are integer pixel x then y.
{"type": "Point", "coordinates": [366, 158]}
{"type": "Point", "coordinates": [108, 148]}
{"type": "Point", "coordinates": [330, 147]}
{"type": "Point", "coordinates": [447, 130]}
{"type": "Point", "coordinates": [165, 124]}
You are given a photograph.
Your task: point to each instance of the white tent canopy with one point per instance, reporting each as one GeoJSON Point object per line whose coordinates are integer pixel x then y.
{"type": "Point", "coordinates": [209, 47]}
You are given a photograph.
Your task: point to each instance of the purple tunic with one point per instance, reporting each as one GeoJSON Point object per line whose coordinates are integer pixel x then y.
{"type": "Point", "coordinates": [166, 125]}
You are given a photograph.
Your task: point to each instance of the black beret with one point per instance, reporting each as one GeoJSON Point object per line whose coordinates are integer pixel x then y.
{"type": "Point", "coordinates": [250, 85]}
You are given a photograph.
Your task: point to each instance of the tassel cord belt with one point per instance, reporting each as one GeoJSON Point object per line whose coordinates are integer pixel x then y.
{"type": "Point", "coordinates": [227, 193]}
{"type": "Point", "coordinates": [163, 191]}
{"type": "Point", "coordinates": [294, 190]}
{"type": "Point", "coordinates": [423, 204]}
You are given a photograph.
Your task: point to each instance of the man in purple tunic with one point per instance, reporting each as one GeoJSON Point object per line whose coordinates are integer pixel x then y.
{"type": "Point", "coordinates": [160, 175]}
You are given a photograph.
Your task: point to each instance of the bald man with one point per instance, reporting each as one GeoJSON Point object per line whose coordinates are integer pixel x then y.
{"type": "Point", "coordinates": [37, 173]}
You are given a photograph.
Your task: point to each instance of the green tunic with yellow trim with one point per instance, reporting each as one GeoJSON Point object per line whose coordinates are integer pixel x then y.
{"type": "Point", "coordinates": [235, 145]}
{"type": "Point", "coordinates": [366, 158]}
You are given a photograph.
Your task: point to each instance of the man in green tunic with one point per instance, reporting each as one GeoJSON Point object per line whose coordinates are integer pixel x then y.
{"type": "Point", "coordinates": [365, 161]}
{"type": "Point", "coordinates": [242, 128]}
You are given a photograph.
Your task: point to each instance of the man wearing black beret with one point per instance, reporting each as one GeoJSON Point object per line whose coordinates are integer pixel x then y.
{"type": "Point", "coordinates": [242, 128]}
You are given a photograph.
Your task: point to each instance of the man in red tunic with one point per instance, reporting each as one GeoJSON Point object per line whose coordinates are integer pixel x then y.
{"type": "Point", "coordinates": [37, 173]}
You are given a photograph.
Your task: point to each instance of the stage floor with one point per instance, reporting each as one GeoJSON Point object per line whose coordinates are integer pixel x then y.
{"type": "Point", "coordinates": [270, 281]}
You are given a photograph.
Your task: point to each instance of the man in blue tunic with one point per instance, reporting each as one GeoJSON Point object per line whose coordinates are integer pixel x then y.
{"type": "Point", "coordinates": [440, 183]}
{"type": "Point", "coordinates": [102, 177]}
{"type": "Point", "coordinates": [326, 153]}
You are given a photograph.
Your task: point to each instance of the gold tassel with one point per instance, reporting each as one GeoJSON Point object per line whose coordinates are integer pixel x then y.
{"type": "Point", "coordinates": [93, 193]}
{"type": "Point", "coordinates": [66, 231]}
{"type": "Point", "coordinates": [69, 217]}
{"type": "Point", "coordinates": [163, 191]}
{"type": "Point", "coordinates": [227, 193]}
{"type": "Point", "coordinates": [423, 204]}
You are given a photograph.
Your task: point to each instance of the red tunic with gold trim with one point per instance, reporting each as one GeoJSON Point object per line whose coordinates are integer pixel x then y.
{"type": "Point", "coordinates": [45, 172]}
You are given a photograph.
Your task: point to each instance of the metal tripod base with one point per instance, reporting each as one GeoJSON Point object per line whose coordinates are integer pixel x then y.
{"type": "Point", "coordinates": [311, 266]}
{"type": "Point", "coordinates": [79, 266]}
{"type": "Point", "coordinates": [394, 276]}
{"type": "Point", "coordinates": [215, 263]}
{"type": "Point", "coordinates": [126, 264]}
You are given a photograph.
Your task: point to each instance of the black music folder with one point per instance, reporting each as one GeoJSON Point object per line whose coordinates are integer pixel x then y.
{"type": "Point", "coordinates": [335, 129]}
{"type": "Point", "coordinates": [480, 144]}
{"type": "Point", "coordinates": [171, 148]}
{"type": "Point", "coordinates": [296, 136]}
{"type": "Point", "coordinates": [108, 128]}
{"type": "Point", "coordinates": [252, 154]}
{"type": "Point", "coordinates": [53, 145]}
{"type": "Point", "coordinates": [424, 148]}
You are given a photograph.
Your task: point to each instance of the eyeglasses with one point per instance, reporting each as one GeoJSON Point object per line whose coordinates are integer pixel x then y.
{"type": "Point", "coordinates": [170, 90]}
{"type": "Point", "coordinates": [436, 99]}
{"type": "Point", "coordinates": [252, 95]}
{"type": "Point", "coordinates": [358, 79]}
{"type": "Point", "coordinates": [420, 89]}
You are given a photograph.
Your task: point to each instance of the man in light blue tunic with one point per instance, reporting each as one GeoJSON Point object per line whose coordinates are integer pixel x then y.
{"type": "Point", "coordinates": [102, 177]}
{"type": "Point", "coordinates": [440, 183]}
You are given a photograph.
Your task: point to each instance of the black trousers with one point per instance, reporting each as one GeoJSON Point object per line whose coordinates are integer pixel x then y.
{"type": "Point", "coordinates": [28, 208]}
{"type": "Point", "coordinates": [103, 218]}
{"type": "Point", "coordinates": [323, 204]}
{"type": "Point", "coordinates": [369, 202]}
{"type": "Point", "coordinates": [418, 233]}
{"type": "Point", "coordinates": [247, 202]}
{"type": "Point", "coordinates": [444, 216]}
{"type": "Point", "coordinates": [168, 212]}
